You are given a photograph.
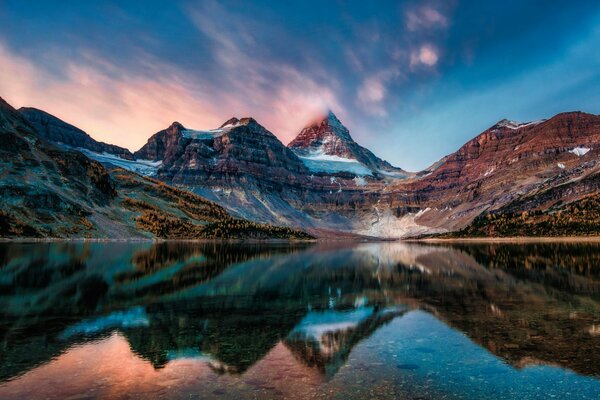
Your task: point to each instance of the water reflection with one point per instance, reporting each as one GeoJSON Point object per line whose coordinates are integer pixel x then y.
{"type": "Point", "coordinates": [274, 320]}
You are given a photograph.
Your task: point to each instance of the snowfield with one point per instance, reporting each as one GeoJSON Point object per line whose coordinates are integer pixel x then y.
{"type": "Point", "coordinates": [518, 125]}
{"type": "Point", "coordinates": [319, 162]}
{"type": "Point", "coordinates": [142, 167]}
{"type": "Point", "coordinates": [580, 151]}
{"type": "Point", "coordinates": [207, 134]}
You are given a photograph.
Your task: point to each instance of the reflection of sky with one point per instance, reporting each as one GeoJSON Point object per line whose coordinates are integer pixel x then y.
{"type": "Point", "coordinates": [188, 354]}
{"type": "Point", "coordinates": [317, 323]}
{"type": "Point", "coordinates": [131, 318]}
{"type": "Point", "coordinates": [415, 355]}
{"type": "Point", "coordinates": [419, 352]}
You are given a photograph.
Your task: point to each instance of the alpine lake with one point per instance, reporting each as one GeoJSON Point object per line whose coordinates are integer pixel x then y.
{"type": "Point", "coordinates": [226, 320]}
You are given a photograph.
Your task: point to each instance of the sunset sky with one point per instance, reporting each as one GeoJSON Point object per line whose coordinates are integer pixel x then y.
{"type": "Point", "coordinates": [411, 80]}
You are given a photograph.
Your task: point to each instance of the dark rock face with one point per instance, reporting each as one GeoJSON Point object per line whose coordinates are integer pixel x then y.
{"type": "Point", "coordinates": [243, 151]}
{"type": "Point", "coordinates": [55, 130]}
{"type": "Point", "coordinates": [329, 136]}
{"type": "Point", "coordinates": [163, 144]}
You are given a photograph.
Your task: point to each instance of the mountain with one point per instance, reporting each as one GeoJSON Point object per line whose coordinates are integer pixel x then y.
{"type": "Point", "coordinates": [239, 149]}
{"type": "Point", "coordinates": [326, 146]}
{"type": "Point", "coordinates": [326, 183]}
{"type": "Point", "coordinates": [56, 130]}
{"type": "Point", "coordinates": [509, 163]}
{"type": "Point", "coordinates": [246, 169]}
{"type": "Point", "coordinates": [49, 191]}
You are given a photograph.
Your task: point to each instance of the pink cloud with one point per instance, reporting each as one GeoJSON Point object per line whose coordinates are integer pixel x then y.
{"type": "Point", "coordinates": [370, 95]}
{"type": "Point", "coordinates": [426, 55]}
{"type": "Point", "coordinates": [121, 107]}
{"type": "Point", "coordinates": [424, 18]}
{"type": "Point", "coordinates": [123, 111]}
{"type": "Point", "coordinates": [373, 91]}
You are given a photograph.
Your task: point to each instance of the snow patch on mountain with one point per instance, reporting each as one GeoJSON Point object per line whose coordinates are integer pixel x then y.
{"type": "Point", "coordinates": [394, 174]}
{"type": "Point", "coordinates": [505, 123]}
{"type": "Point", "coordinates": [317, 324]}
{"type": "Point", "coordinates": [202, 135]}
{"type": "Point", "coordinates": [386, 224]}
{"type": "Point", "coordinates": [208, 134]}
{"type": "Point", "coordinates": [142, 167]}
{"type": "Point", "coordinates": [131, 318]}
{"type": "Point", "coordinates": [360, 181]}
{"type": "Point", "coordinates": [319, 162]}
{"type": "Point", "coordinates": [580, 151]}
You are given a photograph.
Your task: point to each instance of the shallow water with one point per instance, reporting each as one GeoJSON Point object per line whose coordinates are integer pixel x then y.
{"type": "Point", "coordinates": [373, 320]}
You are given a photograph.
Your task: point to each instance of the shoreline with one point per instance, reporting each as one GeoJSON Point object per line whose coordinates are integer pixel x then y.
{"type": "Point", "coordinates": [147, 240]}
{"type": "Point", "coordinates": [510, 239]}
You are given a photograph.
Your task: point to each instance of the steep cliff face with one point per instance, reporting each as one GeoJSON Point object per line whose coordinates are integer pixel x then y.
{"type": "Point", "coordinates": [506, 163]}
{"type": "Point", "coordinates": [55, 130]}
{"type": "Point", "coordinates": [326, 146]}
{"type": "Point", "coordinates": [239, 149]}
{"type": "Point", "coordinates": [163, 144]}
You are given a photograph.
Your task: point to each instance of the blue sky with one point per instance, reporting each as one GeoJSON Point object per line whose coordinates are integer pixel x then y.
{"type": "Point", "coordinates": [412, 80]}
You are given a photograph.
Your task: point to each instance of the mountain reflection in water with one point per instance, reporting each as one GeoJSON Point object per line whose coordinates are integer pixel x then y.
{"type": "Point", "coordinates": [186, 320]}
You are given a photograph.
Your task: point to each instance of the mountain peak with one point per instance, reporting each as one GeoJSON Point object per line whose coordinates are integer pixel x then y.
{"type": "Point", "coordinates": [176, 126]}
{"type": "Point", "coordinates": [247, 121]}
{"type": "Point", "coordinates": [326, 124]}
{"type": "Point", "coordinates": [327, 137]}
{"type": "Point", "coordinates": [332, 119]}
{"type": "Point", "coordinates": [230, 122]}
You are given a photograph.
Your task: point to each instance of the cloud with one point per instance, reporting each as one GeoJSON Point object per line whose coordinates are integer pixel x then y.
{"type": "Point", "coordinates": [425, 18]}
{"type": "Point", "coordinates": [426, 55]}
{"type": "Point", "coordinates": [124, 105]}
{"type": "Point", "coordinates": [111, 104]}
{"type": "Point", "coordinates": [372, 93]}
{"type": "Point", "coordinates": [228, 65]}
{"type": "Point", "coordinates": [278, 94]}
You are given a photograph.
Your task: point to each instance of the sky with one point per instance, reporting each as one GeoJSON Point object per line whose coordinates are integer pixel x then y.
{"type": "Point", "coordinates": [412, 80]}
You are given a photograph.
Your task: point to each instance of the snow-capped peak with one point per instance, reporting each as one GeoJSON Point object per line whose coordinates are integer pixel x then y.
{"type": "Point", "coordinates": [212, 133]}
{"type": "Point", "coordinates": [505, 123]}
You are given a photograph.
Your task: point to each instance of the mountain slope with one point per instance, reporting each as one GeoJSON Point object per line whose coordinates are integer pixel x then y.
{"type": "Point", "coordinates": [46, 191]}
{"type": "Point", "coordinates": [55, 130]}
{"type": "Point", "coordinates": [509, 168]}
{"type": "Point", "coordinates": [506, 163]}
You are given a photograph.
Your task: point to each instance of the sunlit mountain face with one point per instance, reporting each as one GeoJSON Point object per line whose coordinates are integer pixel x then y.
{"type": "Point", "coordinates": [176, 320]}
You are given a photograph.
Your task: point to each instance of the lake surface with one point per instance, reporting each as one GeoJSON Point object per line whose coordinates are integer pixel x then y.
{"type": "Point", "coordinates": [355, 320]}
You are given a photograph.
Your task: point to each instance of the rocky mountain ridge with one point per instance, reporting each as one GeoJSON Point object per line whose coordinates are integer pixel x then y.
{"type": "Point", "coordinates": [247, 170]}
{"type": "Point", "coordinates": [55, 130]}
{"type": "Point", "coordinates": [49, 191]}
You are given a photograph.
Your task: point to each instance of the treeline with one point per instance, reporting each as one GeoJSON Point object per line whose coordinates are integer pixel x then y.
{"type": "Point", "coordinates": [579, 218]}
{"type": "Point", "coordinates": [169, 226]}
